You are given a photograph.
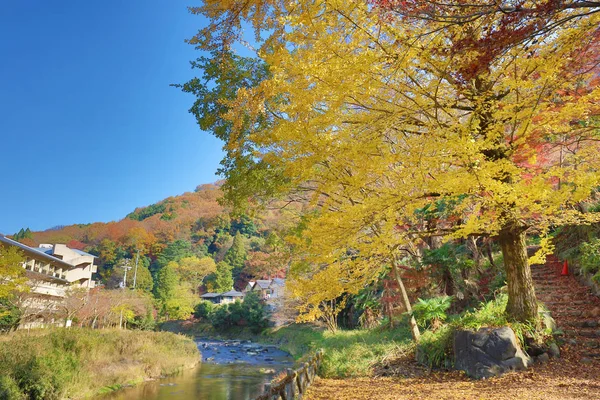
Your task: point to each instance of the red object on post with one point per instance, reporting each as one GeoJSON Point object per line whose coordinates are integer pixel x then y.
{"type": "Point", "coordinates": [565, 270]}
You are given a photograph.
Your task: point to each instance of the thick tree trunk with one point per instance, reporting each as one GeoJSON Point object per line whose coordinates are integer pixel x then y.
{"type": "Point", "coordinates": [522, 303]}
{"type": "Point", "coordinates": [414, 329]}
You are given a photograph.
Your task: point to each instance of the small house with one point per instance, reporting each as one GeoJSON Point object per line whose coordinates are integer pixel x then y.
{"type": "Point", "coordinates": [231, 296]}
{"type": "Point", "coordinates": [212, 297]}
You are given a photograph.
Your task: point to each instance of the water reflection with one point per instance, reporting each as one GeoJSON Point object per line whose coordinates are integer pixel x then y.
{"type": "Point", "coordinates": [208, 381]}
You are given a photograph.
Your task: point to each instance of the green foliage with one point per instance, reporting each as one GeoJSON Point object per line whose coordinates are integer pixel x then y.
{"type": "Point", "coordinates": [143, 279]}
{"type": "Point", "coordinates": [166, 283]}
{"type": "Point", "coordinates": [431, 312]}
{"type": "Point", "coordinates": [222, 76]}
{"type": "Point", "coordinates": [223, 278]}
{"type": "Point", "coordinates": [145, 323]}
{"type": "Point", "coordinates": [181, 304]}
{"type": "Point", "coordinates": [243, 225]}
{"type": "Point", "coordinates": [347, 353]}
{"type": "Point", "coordinates": [12, 274]}
{"type": "Point", "coordinates": [250, 312]}
{"type": "Point", "coordinates": [449, 262]}
{"type": "Point", "coordinates": [77, 363]}
{"type": "Point", "coordinates": [10, 316]}
{"type": "Point", "coordinates": [589, 257]}
{"type": "Point", "coordinates": [204, 309]}
{"type": "Point", "coordinates": [435, 347]}
{"type": "Point", "coordinates": [9, 389]}
{"type": "Point", "coordinates": [193, 270]}
{"type": "Point", "coordinates": [146, 212]}
{"type": "Point", "coordinates": [236, 255]}
{"type": "Point", "coordinates": [22, 234]}
{"type": "Point", "coordinates": [254, 312]}
{"type": "Point", "coordinates": [596, 278]}
{"type": "Point", "coordinates": [175, 251]}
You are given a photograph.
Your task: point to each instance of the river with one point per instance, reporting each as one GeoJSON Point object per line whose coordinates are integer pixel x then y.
{"type": "Point", "coordinates": [229, 370]}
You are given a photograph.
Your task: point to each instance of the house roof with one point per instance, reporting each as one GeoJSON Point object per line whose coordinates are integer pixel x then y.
{"type": "Point", "coordinates": [251, 283]}
{"type": "Point", "coordinates": [210, 295]}
{"type": "Point", "coordinates": [232, 293]}
{"type": "Point", "coordinates": [278, 282]}
{"type": "Point", "coordinates": [263, 284]}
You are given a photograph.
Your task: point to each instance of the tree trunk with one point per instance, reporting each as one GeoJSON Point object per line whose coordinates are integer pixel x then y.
{"type": "Point", "coordinates": [522, 303]}
{"type": "Point", "coordinates": [414, 329]}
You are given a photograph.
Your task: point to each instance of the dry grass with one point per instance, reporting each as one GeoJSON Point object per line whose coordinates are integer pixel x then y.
{"type": "Point", "coordinates": [78, 363]}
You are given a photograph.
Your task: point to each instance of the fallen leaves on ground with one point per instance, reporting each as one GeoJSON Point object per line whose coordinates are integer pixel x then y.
{"type": "Point", "coordinates": [558, 379]}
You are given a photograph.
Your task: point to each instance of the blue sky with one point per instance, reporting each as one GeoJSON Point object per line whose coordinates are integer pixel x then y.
{"type": "Point", "coordinates": [89, 126]}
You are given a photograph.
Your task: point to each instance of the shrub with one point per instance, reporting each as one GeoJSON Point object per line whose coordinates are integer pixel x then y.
{"type": "Point", "coordinates": [220, 318]}
{"type": "Point", "coordinates": [251, 312]}
{"type": "Point", "coordinates": [10, 316]}
{"type": "Point", "coordinates": [204, 309]}
{"type": "Point", "coordinates": [9, 389]}
{"type": "Point", "coordinates": [431, 312]}
{"type": "Point", "coordinates": [435, 347]}
{"type": "Point", "coordinates": [590, 256]}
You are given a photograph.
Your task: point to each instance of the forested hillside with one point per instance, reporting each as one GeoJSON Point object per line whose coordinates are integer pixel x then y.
{"type": "Point", "coordinates": [191, 234]}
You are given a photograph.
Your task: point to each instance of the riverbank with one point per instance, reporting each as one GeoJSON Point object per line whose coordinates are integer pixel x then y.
{"type": "Point", "coordinates": [80, 363]}
{"type": "Point", "coordinates": [347, 353]}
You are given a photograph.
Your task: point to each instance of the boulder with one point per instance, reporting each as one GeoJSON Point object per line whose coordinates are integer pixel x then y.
{"type": "Point", "coordinates": [488, 352]}
{"type": "Point", "coordinates": [542, 358]}
{"type": "Point", "coordinates": [553, 350]}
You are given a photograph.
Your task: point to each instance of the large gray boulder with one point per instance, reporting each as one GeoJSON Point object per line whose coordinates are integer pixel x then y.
{"type": "Point", "coordinates": [488, 352]}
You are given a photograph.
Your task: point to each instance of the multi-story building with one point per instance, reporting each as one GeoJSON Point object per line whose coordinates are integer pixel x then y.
{"type": "Point", "coordinates": [52, 270]}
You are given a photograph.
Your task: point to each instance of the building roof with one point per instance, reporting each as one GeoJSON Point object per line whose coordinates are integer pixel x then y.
{"type": "Point", "coordinates": [83, 253]}
{"type": "Point", "coordinates": [50, 251]}
{"type": "Point", "coordinates": [263, 284]}
{"type": "Point", "coordinates": [210, 295]}
{"type": "Point", "coordinates": [34, 252]}
{"type": "Point", "coordinates": [278, 282]}
{"type": "Point", "coordinates": [232, 293]}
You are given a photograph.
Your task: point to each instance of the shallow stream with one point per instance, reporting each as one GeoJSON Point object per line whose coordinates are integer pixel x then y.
{"type": "Point", "coordinates": [229, 370]}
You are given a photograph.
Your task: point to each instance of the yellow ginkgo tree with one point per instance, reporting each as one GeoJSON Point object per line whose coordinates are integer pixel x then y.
{"type": "Point", "coordinates": [377, 116]}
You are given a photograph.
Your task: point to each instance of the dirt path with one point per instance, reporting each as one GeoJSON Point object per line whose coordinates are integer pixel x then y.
{"type": "Point", "coordinates": [575, 375]}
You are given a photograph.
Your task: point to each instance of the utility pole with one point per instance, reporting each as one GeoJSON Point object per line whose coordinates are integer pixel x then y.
{"type": "Point", "coordinates": [126, 267]}
{"type": "Point", "coordinates": [137, 259]}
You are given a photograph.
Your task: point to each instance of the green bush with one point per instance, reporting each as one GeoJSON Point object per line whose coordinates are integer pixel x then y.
{"type": "Point", "coordinates": [9, 389]}
{"type": "Point", "coordinates": [435, 346]}
{"type": "Point", "coordinates": [10, 316]}
{"type": "Point", "coordinates": [220, 318]}
{"type": "Point", "coordinates": [204, 309]}
{"type": "Point", "coordinates": [431, 313]}
{"type": "Point", "coordinates": [251, 312]}
{"type": "Point", "coordinates": [589, 257]}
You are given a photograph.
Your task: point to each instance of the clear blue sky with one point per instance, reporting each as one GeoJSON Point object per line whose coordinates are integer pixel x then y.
{"type": "Point", "coordinates": [89, 126]}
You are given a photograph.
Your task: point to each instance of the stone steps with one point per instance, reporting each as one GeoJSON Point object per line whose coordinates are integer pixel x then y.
{"type": "Point", "coordinates": [575, 309]}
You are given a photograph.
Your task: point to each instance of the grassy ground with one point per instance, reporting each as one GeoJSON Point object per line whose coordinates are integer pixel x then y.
{"type": "Point", "coordinates": [347, 353]}
{"type": "Point", "coordinates": [79, 363]}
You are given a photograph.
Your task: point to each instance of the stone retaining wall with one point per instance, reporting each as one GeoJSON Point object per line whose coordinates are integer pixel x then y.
{"type": "Point", "coordinates": [295, 383]}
